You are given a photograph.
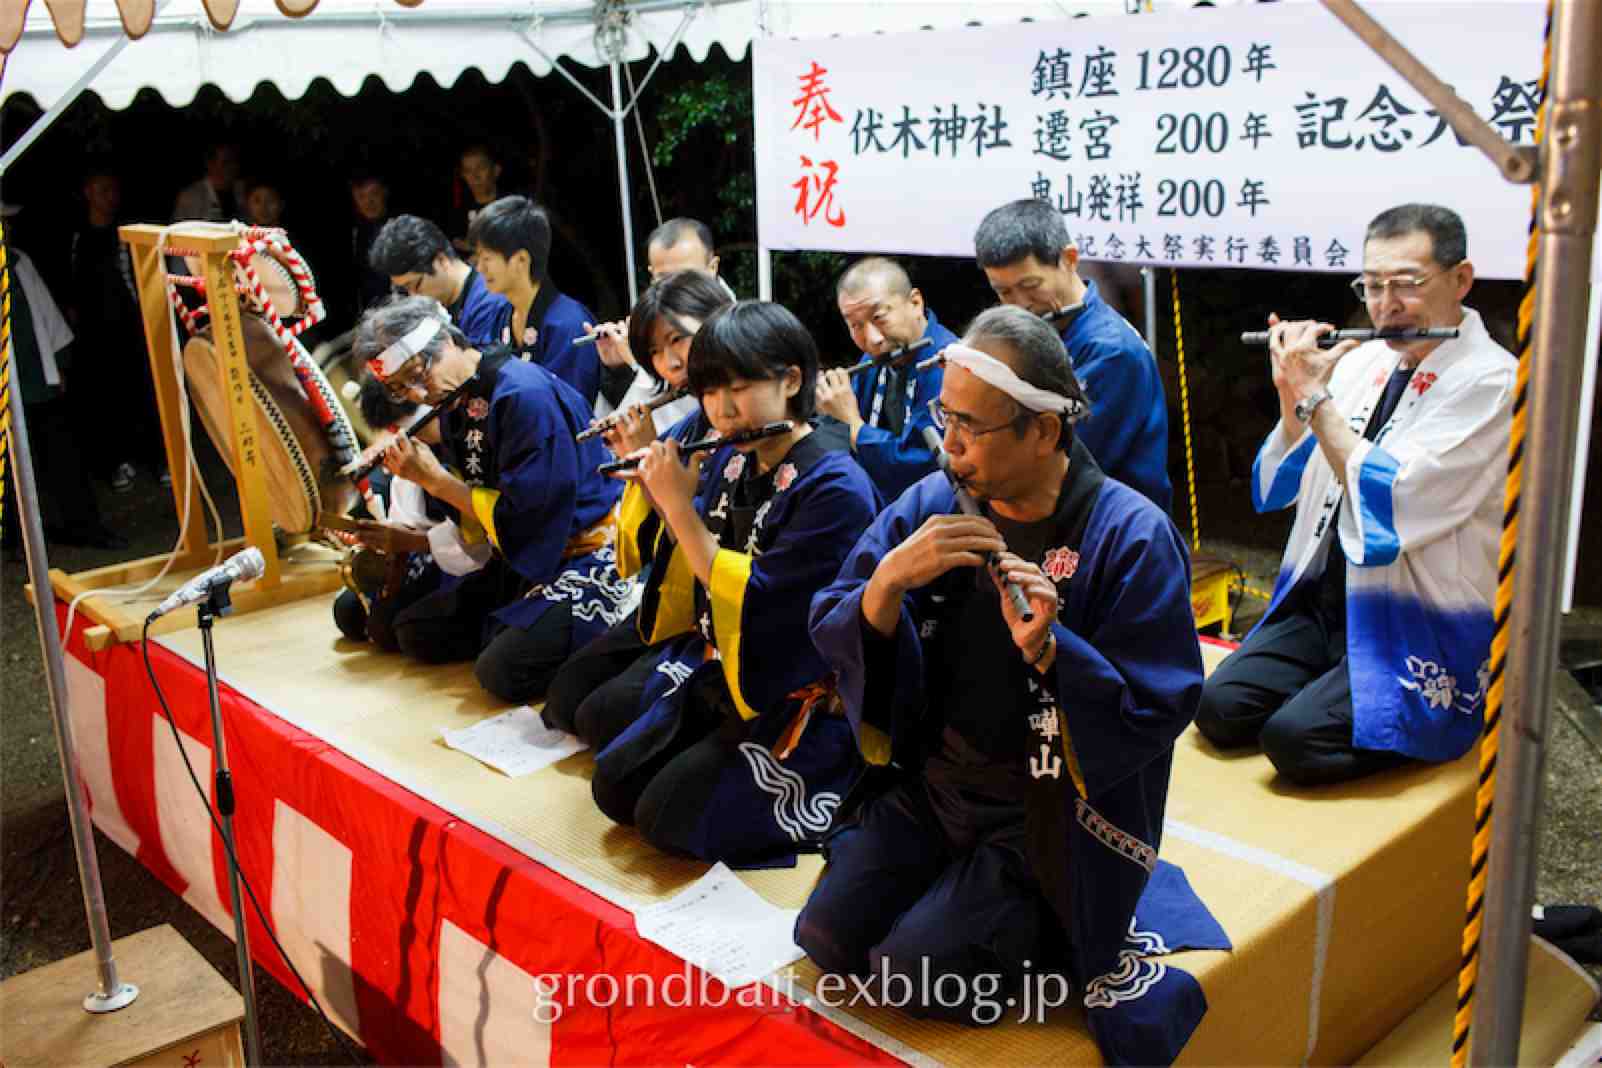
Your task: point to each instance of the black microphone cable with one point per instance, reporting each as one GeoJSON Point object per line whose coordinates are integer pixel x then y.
{"type": "Point", "coordinates": [205, 799]}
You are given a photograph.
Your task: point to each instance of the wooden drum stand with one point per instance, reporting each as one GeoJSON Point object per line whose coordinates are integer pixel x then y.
{"type": "Point", "coordinates": [243, 427]}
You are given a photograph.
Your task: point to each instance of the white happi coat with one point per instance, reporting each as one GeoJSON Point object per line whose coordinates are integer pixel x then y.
{"type": "Point", "coordinates": [1420, 522]}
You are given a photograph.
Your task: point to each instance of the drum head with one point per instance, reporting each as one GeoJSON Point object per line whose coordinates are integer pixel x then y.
{"type": "Point", "coordinates": [272, 271]}
{"type": "Point", "coordinates": [291, 448]}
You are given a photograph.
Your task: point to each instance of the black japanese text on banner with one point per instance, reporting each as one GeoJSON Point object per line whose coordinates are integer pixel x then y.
{"type": "Point", "coordinates": [1247, 137]}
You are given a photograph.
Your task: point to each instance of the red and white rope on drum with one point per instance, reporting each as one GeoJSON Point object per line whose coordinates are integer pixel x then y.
{"type": "Point", "coordinates": [189, 317]}
{"type": "Point", "coordinates": [257, 241]}
{"type": "Point", "coordinates": [260, 240]}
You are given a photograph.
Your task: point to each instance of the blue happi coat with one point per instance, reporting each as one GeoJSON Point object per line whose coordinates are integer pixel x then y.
{"type": "Point", "coordinates": [1126, 681]}
{"type": "Point", "coordinates": [897, 459]}
{"type": "Point", "coordinates": [743, 637]}
{"type": "Point", "coordinates": [555, 321]}
{"type": "Point", "coordinates": [1127, 429]}
{"type": "Point", "coordinates": [479, 314]}
{"type": "Point", "coordinates": [536, 494]}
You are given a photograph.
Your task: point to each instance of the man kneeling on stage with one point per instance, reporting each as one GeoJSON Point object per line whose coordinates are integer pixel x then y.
{"type": "Point", "coordinates": [524, 486]}
{"type": "Point", "coordinates": [1031, 751]}
{"type": "Point", "coordinates": [1394, 454]}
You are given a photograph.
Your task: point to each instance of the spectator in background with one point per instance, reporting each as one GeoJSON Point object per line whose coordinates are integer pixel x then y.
{"type": "Point", "coordinates": [264, 204]}
{"type": "Point", "coordinates": [218, 195]}
{"type": "Point", "coordinates": [104, 311]}
{"type": "Point", "coordinates": [683, 244]}
{"type": "Point", "coordinates": [480, 173]}
{"type": "Point", "coordinates": [369, 202]}
{"type": "Point", "coordinates": [41, 344]}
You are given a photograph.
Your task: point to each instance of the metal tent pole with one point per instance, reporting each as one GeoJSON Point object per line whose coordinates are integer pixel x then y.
{"type": "Point", "coordinates": [764, 272]}
{"type": "Point", "coordinates": [614, 49]}
{"type": "Point", "coordinates": [1570, 155]}
{"type": "Point", "coordinates": [45, 121]}
{"type": "Point", "coordinates": [1148, 283]}
{"type": "Point", "coordinates": [112, 993]}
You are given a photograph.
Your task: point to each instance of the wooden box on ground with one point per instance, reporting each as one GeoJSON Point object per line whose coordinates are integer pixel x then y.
{"type": "Point", "coordinates": [186, 1014]}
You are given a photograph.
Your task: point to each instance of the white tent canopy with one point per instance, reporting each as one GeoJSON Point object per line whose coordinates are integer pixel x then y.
{"type": "Point", "coordinates": [347, 41]}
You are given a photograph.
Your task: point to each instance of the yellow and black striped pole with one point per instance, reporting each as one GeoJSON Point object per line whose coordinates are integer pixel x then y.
{"type": "Point", "coordinates": [1184, 415]}
{"type": "Point", "coordinates": [5, 365]}
{"type": "Point", "coordinates": [1490, 738]}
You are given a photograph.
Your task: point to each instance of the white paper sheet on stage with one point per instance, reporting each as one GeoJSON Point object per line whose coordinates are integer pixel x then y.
{"type": "Point", "coordinates": [515, 743]}
{"type": "Point", "coordinates": [723, 927]}
{"type": "Point", "coordinates": [1254, 136]}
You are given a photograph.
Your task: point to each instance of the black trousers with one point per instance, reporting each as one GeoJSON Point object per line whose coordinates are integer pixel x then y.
{"type": "Point", "coordinates": [375, 620]}
{"type": "Point", "coordinates": [1286, 688]}
{"type": "Point", "coordinates": [519, 663]}
{"type": "Point", "coordinates": [948, 929]}
{"type": "Point", "coordinates": [604, 662]}
{"type": "Point", "coordinates": [448, 625]}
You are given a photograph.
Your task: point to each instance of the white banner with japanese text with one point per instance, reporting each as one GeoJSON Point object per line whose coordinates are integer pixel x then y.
{"type": "Point", "coordinates": [1254, 136]}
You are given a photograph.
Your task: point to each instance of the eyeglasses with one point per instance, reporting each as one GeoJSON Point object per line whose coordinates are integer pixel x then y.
{"type": "Point", "coordinates": [963, 426]}
{"type": "Point", "coordinates": [412, 375]}
{"type": "Point", "coordinates": [1403, 286]}
{"type": "Point", "coordinates": [409, 285]}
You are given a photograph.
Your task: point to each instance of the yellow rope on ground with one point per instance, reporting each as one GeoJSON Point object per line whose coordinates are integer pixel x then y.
{"type": "Point", "coordinates": [1252, 591]}
{"type": "Point", "coordinates": [1184, 411]}
{"type": "Point", "coordinates": [5, 365]}
{"type": "Point", "coordinates": [1468, 973]}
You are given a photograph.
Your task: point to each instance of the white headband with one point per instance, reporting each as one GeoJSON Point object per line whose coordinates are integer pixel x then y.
{"type": "Point", "coordinates": [993, 372]}
{"type": "Point", "coordinates": [404, 348]}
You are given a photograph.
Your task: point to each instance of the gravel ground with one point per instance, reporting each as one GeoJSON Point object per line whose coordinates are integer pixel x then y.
{"type": "Point", "coordinates": [41, 912]}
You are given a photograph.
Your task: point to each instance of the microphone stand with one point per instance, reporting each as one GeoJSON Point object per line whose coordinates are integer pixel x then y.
{"type": "Point", "coordinates": [218, 603]}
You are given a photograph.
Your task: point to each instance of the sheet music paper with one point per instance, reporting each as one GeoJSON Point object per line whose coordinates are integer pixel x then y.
{"type": "Point", "coordinates": [724, 928]}
{"type": "Point", "coordinates": [515, 743]}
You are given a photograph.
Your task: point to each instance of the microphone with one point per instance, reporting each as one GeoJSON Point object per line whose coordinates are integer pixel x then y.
{"type": "Point", "coordinates": [243, 566]}
{"type": "Point", "coordinates": [969, 506]}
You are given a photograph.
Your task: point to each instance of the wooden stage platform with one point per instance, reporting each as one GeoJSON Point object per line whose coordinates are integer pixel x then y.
{"type": "Point", "coordinates": [425, 895]}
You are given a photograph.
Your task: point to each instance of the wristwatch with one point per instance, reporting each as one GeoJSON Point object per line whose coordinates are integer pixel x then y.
{"type": "Point", "coordinates": [1308, 405]}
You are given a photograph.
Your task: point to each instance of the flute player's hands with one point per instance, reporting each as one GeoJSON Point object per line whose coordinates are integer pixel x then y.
{"type": "Point", "coordinates": [943, 542]}
{"type": "Point", "coordinates": [1298, 366]}
{"type": "Point", "coordinates": [1040, 593]}
{"type": "Point", "coordinates": [630, 430]}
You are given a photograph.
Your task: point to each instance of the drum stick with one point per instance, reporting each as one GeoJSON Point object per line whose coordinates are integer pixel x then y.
{"type": "Point", "coordinates": [1329, 341]}
{"type": "Point", "coordinates": [969, 506]}
{"type": "Point", "coordinates": [744, 437]}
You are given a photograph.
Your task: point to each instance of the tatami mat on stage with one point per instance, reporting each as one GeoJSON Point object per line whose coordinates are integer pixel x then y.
{"type": "Point", "coordinates": [1558, 996]}
{"type": "Point", "coordinates": [1344, 903]}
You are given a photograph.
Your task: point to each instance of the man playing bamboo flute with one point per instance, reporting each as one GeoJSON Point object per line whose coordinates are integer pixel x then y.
{"type": "Point", "coordinates": [518, 480]}
{"type": "Point", "coordinates": [1028, 760]}
{"type": "Point", "coordinates": [1375, 648]}
{"type": "Point", "coordinates": [885, 409]}
{"type": "Point", "coordinates": [722, 741]}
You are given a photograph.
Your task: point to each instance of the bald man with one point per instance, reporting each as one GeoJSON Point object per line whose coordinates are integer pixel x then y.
{"type": "Point", "coordinates": [683, 244]}
{"type": "Point", "coordinates": [886, 408]}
